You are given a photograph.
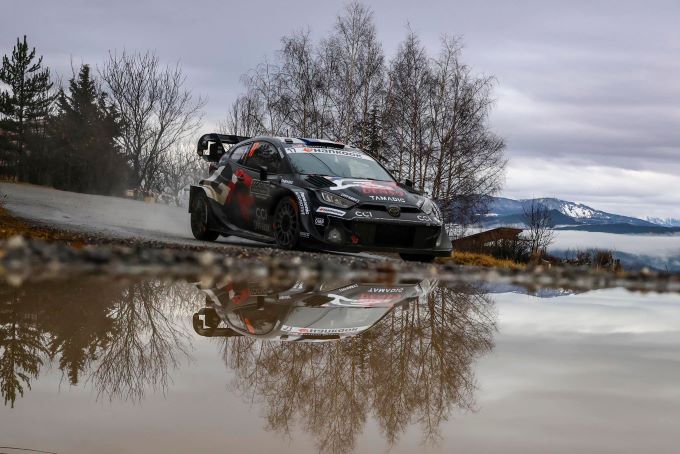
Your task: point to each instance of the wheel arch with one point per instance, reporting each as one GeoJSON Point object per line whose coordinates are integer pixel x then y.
{"type": "Point", "coordinates": [285, 192]}
{"type": "Point", "coordinates": [195, 191]}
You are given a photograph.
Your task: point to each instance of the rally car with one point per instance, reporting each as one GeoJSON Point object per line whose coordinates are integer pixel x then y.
{"type": "Point", "coordinates": [311, 193]}
{"type": "Point", "coordinates": [297, 312]}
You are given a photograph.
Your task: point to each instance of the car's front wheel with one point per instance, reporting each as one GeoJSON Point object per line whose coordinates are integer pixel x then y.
{"type": "Point", "coordinates": [286, 224]}
{"type": "Point", "coordinates": [418, 258]}
{"type": "Point", "coordinates": [200, 213]}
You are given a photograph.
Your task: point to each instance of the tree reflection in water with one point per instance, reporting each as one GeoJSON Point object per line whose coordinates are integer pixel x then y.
{"type": "Point", "coordinates": [120, 335]}
{"type": "Point", "coordinates": [413, 367]}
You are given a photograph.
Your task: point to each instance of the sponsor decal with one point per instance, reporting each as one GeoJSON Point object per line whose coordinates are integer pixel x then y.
{"type": "Point", "coordinates": [301, 330]}
{"type": "Point", "coordinates": [423, 217]}
{"type": "Point", "coordinates": [384, 198]}
{"type": "Point", "coordinates": [302, 200]}
{"type": "Point", "coordinates": [368, 187]}
{"type": "Point", "coordinates": [350, 197]}
{"type": "Point", "coordinates": [349, 287]}
{"type": "Point", "coordinates": [319, 221]}
{"type": "Point", "coordinates": [286, 181]}
{"type": "Point", "coordinates": [304, 235]}
{"type": "Point", "coordinates": [329, 210]}
{"type": "Point", "coordinates": [260, 189]}
{"type": "Point", "coordinates": [262, 220]}
{"type": "Point", "coordinates": [334, 151]}
{"type": "Point", "coordinates": [363, 214]}
{"type": "Point", "coordinates": [385, 290]}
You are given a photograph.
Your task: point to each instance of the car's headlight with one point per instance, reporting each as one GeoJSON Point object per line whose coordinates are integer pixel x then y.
{"type": "Point", "coordinates": [431, 208]}
{"type": "Point", "coordinates": [336, 200]}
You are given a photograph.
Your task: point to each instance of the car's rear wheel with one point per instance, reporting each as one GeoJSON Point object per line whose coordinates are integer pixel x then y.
{"type": "Point", "coordinates": [286, 224]}
{"type": "Point", "coordinates": [418, 258]}
{"type": "Point", "coordinates": [200, 214]}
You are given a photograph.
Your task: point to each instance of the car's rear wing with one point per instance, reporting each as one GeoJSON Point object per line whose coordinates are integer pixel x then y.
{"type": "Point", "coordinates": [212, 146]}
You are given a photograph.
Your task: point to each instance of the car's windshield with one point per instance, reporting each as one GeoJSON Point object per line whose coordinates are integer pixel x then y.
{"type": "Point", "coordinates": [319, 163]}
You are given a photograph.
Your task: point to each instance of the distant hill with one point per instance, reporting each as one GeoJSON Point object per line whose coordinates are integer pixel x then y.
{"type": "Point", "coordinates": [622, 228]}
{"type": "Point", "coordinates": [569, 216]}
{"type": "Point", "coordinates": [667, 222]}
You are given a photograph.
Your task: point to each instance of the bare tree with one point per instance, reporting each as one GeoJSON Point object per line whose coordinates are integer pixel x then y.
{"type": "Point", "coordinates": [467, 162]}
{"type": "Point", "coordinates": [303, 86]}
{"type": "Point", "coordinates": [244, 117]}
{"type": "Point", "coordinates": [538, 218]}
{"type": "Point", "coordinates": [415, 366]}
{"type": "Point", "coordinates": [355, 57]}
{"type": "Point", "coordinates": [427, 119]}
{"type": "Point", "coordinates": [407, 114]}
{"type": "Point", "coordinates": [156, 111]}
{"type": "Point", "coordinates": [181, 167]}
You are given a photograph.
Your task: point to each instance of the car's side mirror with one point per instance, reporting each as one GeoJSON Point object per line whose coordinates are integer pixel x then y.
{"type": "Point", "coordinates": [263, 173]}
{"type": "Point", "coordinates": [408, 183]}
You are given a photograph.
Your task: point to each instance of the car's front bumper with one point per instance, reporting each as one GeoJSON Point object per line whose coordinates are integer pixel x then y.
{"type": "Point", "coordinates": [410, 233]}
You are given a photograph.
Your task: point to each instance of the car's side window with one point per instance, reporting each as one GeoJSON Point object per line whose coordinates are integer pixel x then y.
{"type": "Point", "coordinates": [264, 154]}
{"type": "Point", "coordinates": [238, 152]}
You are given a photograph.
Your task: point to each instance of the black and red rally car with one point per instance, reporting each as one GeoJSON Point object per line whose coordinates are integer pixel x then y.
{"type": "Point", "coordinates": [300, 312]}
{"type": "Point", "coordinates": [311, 193]}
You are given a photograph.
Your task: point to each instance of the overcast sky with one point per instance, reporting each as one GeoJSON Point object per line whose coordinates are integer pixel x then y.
{"type": "Point", "coordinates": [588, 94]}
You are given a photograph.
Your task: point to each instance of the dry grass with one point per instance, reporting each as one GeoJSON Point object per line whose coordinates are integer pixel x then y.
{"type": "Point", "coordinates": [11, 226]}
{"type": "Point", "coordinates": [483, 260]}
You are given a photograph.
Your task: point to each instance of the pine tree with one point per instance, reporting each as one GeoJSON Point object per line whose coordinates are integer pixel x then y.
{"type": "Point", "coordinates": [22, 347]}
{"type": "Point", "coordinates": [24, 107]}
{"type": "Point", "coordinates": [83, 138]}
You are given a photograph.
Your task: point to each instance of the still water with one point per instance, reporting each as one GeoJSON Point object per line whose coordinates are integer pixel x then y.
{"type": "Point", "coordinates": [111, 366]}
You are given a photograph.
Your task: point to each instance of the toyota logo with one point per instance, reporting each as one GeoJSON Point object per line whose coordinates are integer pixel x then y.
{"type": "Point", "coordinates": [394, 211]}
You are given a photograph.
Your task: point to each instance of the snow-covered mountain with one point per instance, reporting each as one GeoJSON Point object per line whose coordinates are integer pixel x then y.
{"type": "Point", "coordinates": [504, 211]}
{"type": "Point", "coordinates": [667, 222]}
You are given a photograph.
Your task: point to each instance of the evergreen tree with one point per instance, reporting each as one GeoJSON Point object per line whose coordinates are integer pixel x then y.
{"type": "Point", "coordinates": [24, 107]}
{"type": "Point", "coordinates": [85, 157]}
{"type": "Point", "coordinates": [22, 346]}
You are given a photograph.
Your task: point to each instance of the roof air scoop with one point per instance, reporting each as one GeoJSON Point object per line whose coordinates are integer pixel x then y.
{"type": "Point", "coordinates": [322, 143]}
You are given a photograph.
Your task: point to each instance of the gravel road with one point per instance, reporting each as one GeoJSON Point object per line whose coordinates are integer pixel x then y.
{"type": "Point", "coordinates": [118, 218]}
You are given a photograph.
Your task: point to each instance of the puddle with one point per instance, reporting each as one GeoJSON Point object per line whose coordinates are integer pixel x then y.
{"type": "Point", "coordinates": [303, 364]}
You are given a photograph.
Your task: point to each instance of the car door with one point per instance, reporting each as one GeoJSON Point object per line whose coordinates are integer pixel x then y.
{"type": "Point", "coordinates": [254, 195]}
{"type": "Point", "coordinates": [234, 189]}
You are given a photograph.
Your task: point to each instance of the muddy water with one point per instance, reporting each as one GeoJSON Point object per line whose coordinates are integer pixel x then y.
{"type": "Point", "coordinates": [93, 365]}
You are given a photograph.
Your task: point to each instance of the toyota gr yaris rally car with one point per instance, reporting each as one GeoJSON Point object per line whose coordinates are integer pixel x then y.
{"type": "Point", "coordinates": [311, 193]}
{"type": "Point", "coordinates": [299, 313]}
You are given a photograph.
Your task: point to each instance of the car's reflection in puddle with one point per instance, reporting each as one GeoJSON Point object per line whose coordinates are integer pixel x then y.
{"type": "Point", "coordinates": [301, 312]}
{"type": "Point", "coordinates": [328, 355]}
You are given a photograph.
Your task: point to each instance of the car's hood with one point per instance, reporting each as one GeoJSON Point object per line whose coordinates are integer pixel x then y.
{"type": "Point", "coordinates": [371, 191]}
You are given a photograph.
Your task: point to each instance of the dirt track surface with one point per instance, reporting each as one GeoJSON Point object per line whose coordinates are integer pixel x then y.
{"type": "Point", "coordinates": [125, 221]}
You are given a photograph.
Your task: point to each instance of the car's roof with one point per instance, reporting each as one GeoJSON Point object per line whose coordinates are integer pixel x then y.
{"type": "Point", "coordinates": [308, 141]}
{"type": "Point", "coordinates": [295, 143]}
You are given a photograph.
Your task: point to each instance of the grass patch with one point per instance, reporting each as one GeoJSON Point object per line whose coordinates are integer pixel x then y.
{"type": "Point", "coordinates": [483, 260]}
{"type": "Point", "coordinates": [11, 226]}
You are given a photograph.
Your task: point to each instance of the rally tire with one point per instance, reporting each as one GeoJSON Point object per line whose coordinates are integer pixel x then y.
{"type": "Point", "coordinates": [424, 258]}
{"type": "Point", "coordinates": [286, 224]}
{"type": "Point", "coordinates": [200, 215]}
